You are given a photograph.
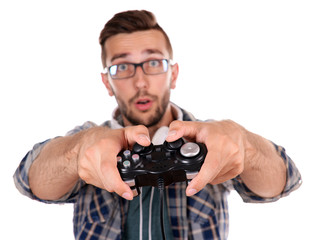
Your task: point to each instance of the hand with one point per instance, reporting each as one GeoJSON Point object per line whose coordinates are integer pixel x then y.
{"type": "Point", "coordinates": [97, 163]}
{"type": "Point", "coordinates": [225, 143]}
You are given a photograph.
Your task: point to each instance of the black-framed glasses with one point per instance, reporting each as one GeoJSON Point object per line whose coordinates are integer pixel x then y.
{"type": "Point", "coordinates": [127, 70]}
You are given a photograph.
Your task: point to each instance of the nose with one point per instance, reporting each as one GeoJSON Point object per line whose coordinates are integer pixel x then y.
{"type": "Point", "coordinates": [140, 78]}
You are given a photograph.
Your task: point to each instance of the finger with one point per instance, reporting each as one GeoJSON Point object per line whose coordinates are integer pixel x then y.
{"type": "Point", "coordinates": [225, 177]}
{"type": "Point", "coordinates": [109, 173]}
{"type": "Point", "coordinates": [178, 129]}
{"type": "Point", "coordinates": [104, 177]}
{"type": "Point", "coordinates": [103, 171]}
{"type": "Point", "coordinates": [214, 172]}
{"type": "Point", "coordinates": [139, 134]}
{"type": "Point", "coordinates": [209, 170]}
{"type": "Point", "coordinates": [228, 172]}
{"type": "Point", "coordinates": [113, 182]}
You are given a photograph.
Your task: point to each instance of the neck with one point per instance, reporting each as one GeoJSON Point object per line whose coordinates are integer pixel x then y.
{"type": "Point", "coordinates": [168, 117]}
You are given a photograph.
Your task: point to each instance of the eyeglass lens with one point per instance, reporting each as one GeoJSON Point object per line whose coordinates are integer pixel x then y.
{"type": "Point", "coordinates": [126, 70]}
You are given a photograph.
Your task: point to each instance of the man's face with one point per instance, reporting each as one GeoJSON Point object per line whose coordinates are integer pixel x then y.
{"type": "Point", "coordinates": [142, 99]}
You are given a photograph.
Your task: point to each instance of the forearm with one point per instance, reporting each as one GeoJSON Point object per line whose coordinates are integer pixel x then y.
{"type": "Point", "coordinates": [264, 170]}
{"type": "Point", "coordinates": [54, 172]}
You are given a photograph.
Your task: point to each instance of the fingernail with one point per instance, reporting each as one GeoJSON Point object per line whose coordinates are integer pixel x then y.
{"type": "Point", "coordinates": [127, 196]}
{"type": "Point", "coordinates": [192, 191]}
{"type": "Point", "coordinates": [172, 133]}
{"type": "Point", "coordinates": [144, 137]}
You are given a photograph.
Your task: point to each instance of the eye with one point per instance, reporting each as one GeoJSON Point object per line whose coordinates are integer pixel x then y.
{"type": "Point", "coordinates": [154, 63]}
{"type": "Point", "coordinates": [122, 67]}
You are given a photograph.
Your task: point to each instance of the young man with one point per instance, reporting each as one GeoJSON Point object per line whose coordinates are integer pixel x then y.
{"type": "Point", "coordinates": [81, 168]}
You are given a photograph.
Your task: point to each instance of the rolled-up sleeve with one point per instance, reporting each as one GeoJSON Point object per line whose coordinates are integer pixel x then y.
{"type": "Point", "coordinates": [20, 176]}
{"type": "Point", "coordinates": [293, 181]}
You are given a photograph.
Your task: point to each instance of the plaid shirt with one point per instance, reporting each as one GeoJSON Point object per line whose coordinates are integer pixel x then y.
{"type": "Point", "coordinates": [99, 214]}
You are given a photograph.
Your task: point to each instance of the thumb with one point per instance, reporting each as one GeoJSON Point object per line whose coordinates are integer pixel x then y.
{"type": "Point", "coordinates": [178, 129]}
{"type": "Point", "coordinates": [139, 134]}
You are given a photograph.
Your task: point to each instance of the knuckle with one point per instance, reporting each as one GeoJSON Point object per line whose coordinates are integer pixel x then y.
{"type": "Point", "coordinates": [176, 124]}
{"type": "Point", "coordinates": [236, 171]}
{"type": "Point", "coordinates": [107, 145]}
{"type": "Point", "coordinates": [235, 148]}
{"type": "Point", "coordinates": [136, 129]}
{"type": "Point", "coordinates": [238, 166]}
{"type": "Point", "coordinates": [141, 128]}
{"type": "Point", "coordinates": [89, 153]}
{"type": "Point", "coordinates": [133, 131]}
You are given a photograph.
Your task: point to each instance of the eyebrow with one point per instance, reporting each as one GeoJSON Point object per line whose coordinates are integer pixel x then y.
{"type": "Point", "coordinates": [120, 55]}
{"type": "Point", "coordinates": [146, 51]}
{"type": "Point", "coordinates": [152, 51]}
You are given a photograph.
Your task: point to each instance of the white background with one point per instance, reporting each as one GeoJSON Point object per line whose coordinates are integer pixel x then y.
{"type": "Point", "coordinates": [249, 61]}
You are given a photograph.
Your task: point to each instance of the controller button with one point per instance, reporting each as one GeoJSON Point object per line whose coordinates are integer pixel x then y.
{"type": "Point", "coordinates": [137, 148]}
{"type": "Point", "coordinates": [176, 144]}
{"type": "Point", "coordinates": [135, 158]}
{"type": "Point", "coordinates": [190, 149]}
{"type": "Point", "coordinates": [127, 153]}
{"type": "Point", "coordinates": [126, 164]}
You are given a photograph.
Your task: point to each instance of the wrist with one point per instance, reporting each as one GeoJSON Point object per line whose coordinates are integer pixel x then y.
{"type": "Point", "coordinates": [250, 150]}
{"type": "Point", "coordinates": [75, 143]}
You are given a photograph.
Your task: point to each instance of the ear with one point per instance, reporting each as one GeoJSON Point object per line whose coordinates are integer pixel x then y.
{"type": "Point", "coordinates": [174, 75]}
{"type": "Point", "coordinates": [107, 84]}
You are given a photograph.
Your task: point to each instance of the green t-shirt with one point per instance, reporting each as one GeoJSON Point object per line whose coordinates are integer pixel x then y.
{"type": "Point", "coordinates": [150, 200]}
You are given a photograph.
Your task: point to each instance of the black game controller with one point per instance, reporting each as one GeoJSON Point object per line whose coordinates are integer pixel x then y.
{"type": "Point", "coordinates": [170, 162]}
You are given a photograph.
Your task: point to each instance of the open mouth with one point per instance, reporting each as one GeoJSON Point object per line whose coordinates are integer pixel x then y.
{"type": "Point", "coordinates": [143, 101]}
{"type": "Point", "coordinates": [143, 104]}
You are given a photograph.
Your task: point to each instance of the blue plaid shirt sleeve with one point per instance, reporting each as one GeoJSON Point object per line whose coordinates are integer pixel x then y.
{"type": "Point", "coordinates": [293, 181]}
{"type": "Point", "coordinates": [21, 174]}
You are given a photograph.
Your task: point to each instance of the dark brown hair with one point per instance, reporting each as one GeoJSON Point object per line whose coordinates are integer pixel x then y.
{"type": "Point", "coordinates": [129, 22]}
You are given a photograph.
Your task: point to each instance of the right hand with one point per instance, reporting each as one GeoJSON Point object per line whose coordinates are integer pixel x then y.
{"type": "Point", "coordinates": [98, 149]}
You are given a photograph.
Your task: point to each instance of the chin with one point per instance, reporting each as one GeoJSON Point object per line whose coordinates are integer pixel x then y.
{"type": "Point", "coordinates": [147, 121]}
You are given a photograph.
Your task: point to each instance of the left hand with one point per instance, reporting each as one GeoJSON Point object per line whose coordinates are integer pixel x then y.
{"type": "Point", "coordinates": [225, 142]}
